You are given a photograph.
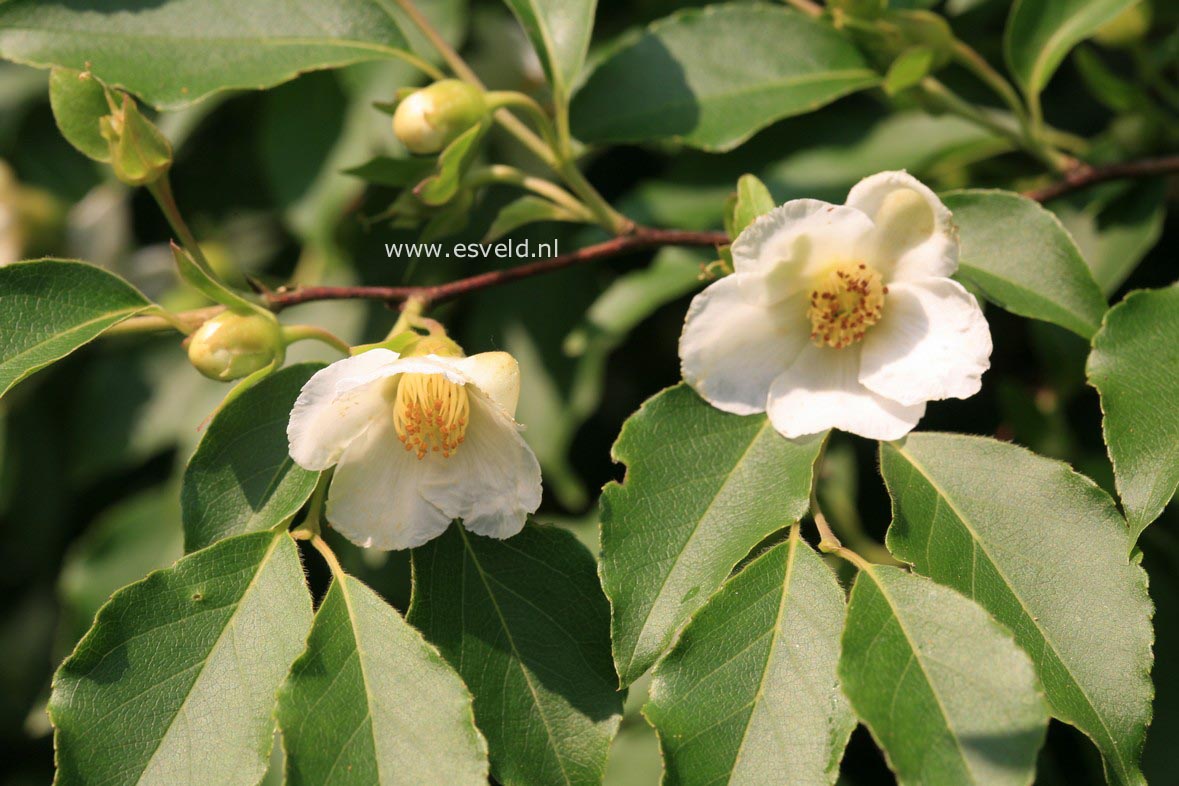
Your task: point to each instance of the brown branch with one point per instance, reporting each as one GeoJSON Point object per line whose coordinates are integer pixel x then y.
{"type": "Point", "coordinates": [1085, 176]}
{"type": "Point", "coordinates": [639, 239]}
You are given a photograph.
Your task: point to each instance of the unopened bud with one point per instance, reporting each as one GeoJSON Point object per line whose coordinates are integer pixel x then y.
{"type": "Point", "coordinates": [433, 117]}
{"type": "Point", "coordinates": [140, 153]}
{"type": "Point", "coordinates": [436, 344]}
{"type": "Point", "coordinates": [231, 346]}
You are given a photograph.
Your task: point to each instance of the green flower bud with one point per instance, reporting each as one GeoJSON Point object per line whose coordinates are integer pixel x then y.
{"type": "Point", "coordinates": [140, 153]}
{"type": "Point", "coordinates": [231, 346]}
{"type": "Point", "coordinates": [433, 117]}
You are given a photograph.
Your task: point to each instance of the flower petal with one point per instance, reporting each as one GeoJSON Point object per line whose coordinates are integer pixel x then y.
{"type": "Point", "coordinates": [375, 499]}
{"type": "Point", "coordinates": [821, 391]}
{"type": "Point", "coordinates": [495, 373]}
{"type": "Point", "coordinates": [933, 342]}
{"type": "Point", "coordinates": [731, 350]}
{"type": "Point", "coordinates": [336, 406]}
{"type": "Point", "coordinates": [492, 482]}
{"type": "Point", "coordinates": [914, 236]}
{"type": "Point", "coordinates": [782, 252]}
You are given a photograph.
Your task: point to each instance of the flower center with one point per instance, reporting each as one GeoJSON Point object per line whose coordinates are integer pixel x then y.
{"type": "Point", "coordinates": [845, 304]}
{"type": "Point", "coordinates": [430, 414]}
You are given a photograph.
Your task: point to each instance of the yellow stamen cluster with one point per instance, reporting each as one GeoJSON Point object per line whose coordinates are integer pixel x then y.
{"type": "Point", "coordinates": [430, 414]}
{"type": "Point", "coordinates": [845, 304]}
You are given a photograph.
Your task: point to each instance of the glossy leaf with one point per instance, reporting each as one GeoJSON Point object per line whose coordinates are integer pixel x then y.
{"type": "Point", "coordinates": [78, 101]}
{"type": "Point", "coordinates": [51, 307]}
{"type": "Point", "coordinates": [702, 488]}
{"type": "Point", "coordinates": [1044, 550]}
{"type": "Point", "coordinates": [524, 623]}
{"type": "Point", "coordinates": [1041, 32]}
{"type": "Point", "coordinates": [559, 31]}
{"type": "Point", "coordinates": [749, 694]}
{"type": "Point", "coordinates": [241, 478]}
{"type": "Point", "coordinates": [1023, 260]}
{"type": "Point", "coordinates": [176, 681]}
{"type": "Point", "coordinates": [370, 702]}
{"type": "Point", "coordinates": [174, 52]}
{"type": "Point", "coordinates": [944, 690]}
{"type": "Point", "coordinates": [712, 77]}
{"type": "Point", "coordinates": [1135, 367]}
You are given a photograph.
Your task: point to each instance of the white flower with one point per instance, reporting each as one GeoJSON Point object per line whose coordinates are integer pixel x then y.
{"type": "Point", "coordinates": [417, 442]}
{"type": "Point", "coordinates": [840, 316]}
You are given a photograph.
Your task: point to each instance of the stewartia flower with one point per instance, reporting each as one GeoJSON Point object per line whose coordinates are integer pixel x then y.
{"type": "Point", "coordinates": [417, 442]}
{"type": "Point", "coordinates": [840, 316]}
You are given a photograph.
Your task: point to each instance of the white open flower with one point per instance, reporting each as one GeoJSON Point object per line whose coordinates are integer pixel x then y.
{"type": "Point", "coordinates": [840, 316]}
{"type": "Point", "coordinates": [417, 442]}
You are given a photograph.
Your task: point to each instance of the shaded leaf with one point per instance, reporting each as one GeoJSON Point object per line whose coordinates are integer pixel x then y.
{"type": "Point", "coordinates": [523, 211]}
{"type": "Point", "coordinates": [749, 694]}
{"type": "Point", "coordinates": [393, 172]}
{"type": "Point", "coordinates": [942, 687]}
{"type": "Point", "coordinates": [702, 488]}
{"type": "Point", "coordinates": [51, 307]}
{"type": "Point", "coordinates": [524, 623]}
{"type": "Point", "coordinates": [560, 32]}
{"type": "Point", "coordinates": [1082, 614]}
{"type": "Point", "coordinates": [78, 101]}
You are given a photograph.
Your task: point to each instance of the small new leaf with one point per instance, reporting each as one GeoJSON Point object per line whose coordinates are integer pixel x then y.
{"type": "Point", "coordinates": [753, 199]}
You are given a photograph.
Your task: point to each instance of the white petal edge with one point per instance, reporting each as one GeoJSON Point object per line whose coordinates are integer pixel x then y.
{"type": "Point", "coordinates": [915, 236]}
{"type": "Point", "coordinates": [932, 342]}
{"type": "Point", "coordinates": [495, 373]}
{"type": "Point", "coordinates": [492, 482]}
{"type": "Point", "coordinates": [336, 405]}
{"type": "Point", "coordinates": [821, 390]}
{"type": "Point", "coordinates": [731, 350]}
{"type": "Point", "coordinates": [375, 499]}
{"type": "Point", "coordinates": [782, 252]}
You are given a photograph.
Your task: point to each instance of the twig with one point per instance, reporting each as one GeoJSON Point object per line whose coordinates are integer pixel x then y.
{"type": "Point", "coordinates": [640, 239]}
{"type": "Point", "coordinates": [1086, 175]}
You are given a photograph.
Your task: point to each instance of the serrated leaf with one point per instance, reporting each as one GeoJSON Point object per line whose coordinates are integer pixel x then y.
{"type": "Point", "coordinates": [749, 694]}
{"type": "Point", "coordinates": [241, 477]}
{"type": "Point", "coordinates": [1135, 367]}
{"type": "Point", "coordinates": [702, 488]}
{"type": "Point", "coordinates": [524, 623]}
{"type": "Point", "coordinates": [712, 77]}
{"type": "Point", "coordinates": [523, 211]}
{"type": "Point", "coordinates": [51, 307]}
{"type": "Point", "coordinates": [560, 32]}
{"type": "Point", "coordinates": [393, 172]}
{"type": "Point", "coordinates": [944, 690]}
{"type": "Point", "coordinates": [1043, 550]}
{"type": "Point", "coordinates": [174, 52]}
{"type": "Point", "coordinates": [176, 681]}
{"type": "Point", "coordinates": [1023, 260]}
{"type": "Point", "coordinates": [1040, 33]}
{"type": "Point", "coordinates": [78, 101]}
{"type": "Point", "coordinates": [370, 702]}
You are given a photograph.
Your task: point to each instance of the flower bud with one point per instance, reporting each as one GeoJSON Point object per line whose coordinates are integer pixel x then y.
{"type": "Point", "coordinates": [140, 153]}
{"type": "Point", "coordinates": [435, 344]}
{"type": "Point", "coordinates": [433, 117]}
{"type": "Point", "coordinates": [231, 346]}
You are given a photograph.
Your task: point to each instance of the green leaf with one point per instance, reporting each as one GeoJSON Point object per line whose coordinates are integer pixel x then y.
{"type": "Point", "coordinates": [910, 67]}
{"type": "Point", "coordinates": [206, 282]}
{"type": "Point", "coordinates": [1041, 32]}
{"type": "Point", "coordinates": [241, 477]}
{"type": "Point", "coordinates": [524, 622]}
{"type": "Point", "coordinates": [51, 307]}
{"type": "Point", "coordinates": [560, 32]}
{"type": "Point", "coordinates": [750, 694]}
{"type": "Point", "coordinates": [526, 210]}
{"type": "Point", "coordinates": [393, 172]}
{"type": "Point", "coordinates": [753, 199]}
{"type": "Point", "coordinates": [1133, 366]}
{"type": "Point", "coordinates": [370, 702]}
{"type": "Point", "coordinates": [1043, 550]}
{"type": "Point", "coordinates": [176, 681]}
{"type": "Point", "coordinates": [712, 77]}
{"type": "Point", "coordinates": [174, 52]}
{"type": "Point", "coordinates": [78, 102]}
{"type": "Point", "coordinates": [944, 690]}
{"type": "Point", "coordinates": [1023, 260]}
{"type": "Point", "coordinates": [702, 488]}
{"type": "Point", "coordinates": [453, 162]}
